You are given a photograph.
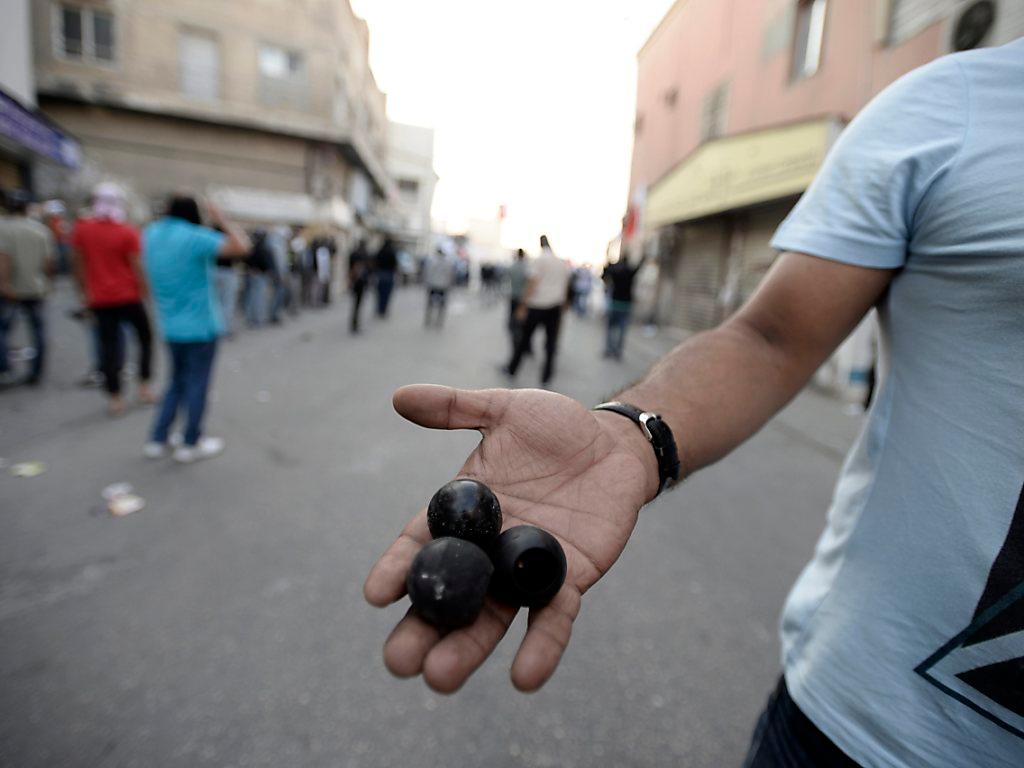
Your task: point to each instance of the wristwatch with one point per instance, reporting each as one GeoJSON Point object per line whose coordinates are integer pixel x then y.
{"type": "Point", "coordinates": [658, 434]}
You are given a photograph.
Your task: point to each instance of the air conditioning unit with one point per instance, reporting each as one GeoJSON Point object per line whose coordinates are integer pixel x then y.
{"type": "Point", "coordinates": [973, 25]}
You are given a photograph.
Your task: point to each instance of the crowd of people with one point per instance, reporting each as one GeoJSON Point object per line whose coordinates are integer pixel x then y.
{"type": "Point", "coordinates": [201, 274]}
{"type": "Point", "coordinates": [204, 279]}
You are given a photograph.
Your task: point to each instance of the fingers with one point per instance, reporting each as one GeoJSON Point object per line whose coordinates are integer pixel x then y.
{"type": "Point", "coordinates": [450, 663]}
{"type": "Point", "coordinates": [408, 644]}
{"type": "Point", "coordinates": [386, 582]}
{"type": "Point", "coordinates": [437, 407]}
{"type": "Point", "coordinates": [446, 662]}
{"type": "Point", "coordinates": [546, 640]}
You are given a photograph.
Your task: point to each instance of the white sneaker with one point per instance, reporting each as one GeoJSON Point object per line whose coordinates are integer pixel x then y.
{"type": "Point", "coordinates": [153, 450]}
{"type": "Point", "coordinates": [206, 448]}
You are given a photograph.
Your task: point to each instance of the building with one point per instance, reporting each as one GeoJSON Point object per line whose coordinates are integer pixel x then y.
{"type": "Point", "coordinates": [270, 108]}
{"type": "Point", "coordinates": [738, 102]}
{"type": "Point", "coordinates": [27, 139]}
{"type": "Point", "coordinates": [411, 165]}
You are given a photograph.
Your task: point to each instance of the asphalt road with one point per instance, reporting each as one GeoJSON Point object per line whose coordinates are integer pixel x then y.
{"type": "Point", "coordinates": [223, 625]}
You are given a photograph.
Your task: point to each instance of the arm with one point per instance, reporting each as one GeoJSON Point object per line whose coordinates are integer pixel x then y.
{"type": "Point", "coordinates": [237, 244]}
{"type": "Point", "coordinates": [583, 476]}
{"type": "Point", "coordinates": [720, 387]}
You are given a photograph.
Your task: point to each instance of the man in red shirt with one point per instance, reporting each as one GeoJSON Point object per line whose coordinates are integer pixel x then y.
{"type": "Point", "coordinates": [106, 257]}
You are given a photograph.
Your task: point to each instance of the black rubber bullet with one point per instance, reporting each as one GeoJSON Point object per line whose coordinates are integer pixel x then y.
{"type": "Point", "coordinates": [448, 581]}
{"type": "Point", "coordinates": [466, 510]}
{"type": "Point", "coordinates": [529, 566]}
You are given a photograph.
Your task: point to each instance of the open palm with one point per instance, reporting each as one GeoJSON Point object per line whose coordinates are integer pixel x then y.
{"type": "Point", "coordinates": [552, 464]}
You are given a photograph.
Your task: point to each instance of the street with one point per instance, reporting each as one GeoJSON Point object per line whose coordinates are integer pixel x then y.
{"type": "Point", "coordinates": [224, 623]}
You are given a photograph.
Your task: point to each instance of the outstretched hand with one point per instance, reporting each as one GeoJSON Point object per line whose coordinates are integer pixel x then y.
{"type": "Point", "coordinates": [580, 475]}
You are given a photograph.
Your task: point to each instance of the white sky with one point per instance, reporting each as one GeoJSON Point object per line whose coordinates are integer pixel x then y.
{"type": "Point", "coordinates": [532, 102]}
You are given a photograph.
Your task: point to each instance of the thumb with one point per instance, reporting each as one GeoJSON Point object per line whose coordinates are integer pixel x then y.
{"type": "Point", "coordinates": [437, 407]}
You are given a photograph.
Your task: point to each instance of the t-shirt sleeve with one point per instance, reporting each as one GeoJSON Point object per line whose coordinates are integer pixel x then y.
{"type": "Point", "coordinates": [206, 243]}
{"type": "Point", "coordinates": [861, 207]}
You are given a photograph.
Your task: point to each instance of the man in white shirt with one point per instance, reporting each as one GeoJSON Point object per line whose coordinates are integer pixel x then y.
{"type": "Point", "coordinates": [439, 275]}
{"type": "Point", "coordinates": [546, 294]}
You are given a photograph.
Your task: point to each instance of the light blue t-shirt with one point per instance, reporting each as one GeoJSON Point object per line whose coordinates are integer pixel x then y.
{"type": "Point", "coordinates": [179, 259]}
{"type": "Point", "coordinates": [903, 639]}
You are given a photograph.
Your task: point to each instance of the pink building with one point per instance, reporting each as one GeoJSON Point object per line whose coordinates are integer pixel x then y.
{"type": "Point", "coordinates": [738, 102]}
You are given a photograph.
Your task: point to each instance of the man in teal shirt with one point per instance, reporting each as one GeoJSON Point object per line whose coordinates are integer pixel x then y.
{"type": "Point", "coordinates": [179, 255]}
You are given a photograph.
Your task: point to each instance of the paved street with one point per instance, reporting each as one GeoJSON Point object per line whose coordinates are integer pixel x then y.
{"type": "Point", "coordinates": [223, 625]}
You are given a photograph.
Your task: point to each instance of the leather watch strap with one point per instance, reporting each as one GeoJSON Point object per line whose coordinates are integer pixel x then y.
{"type": "Point", "coordinates": [658, 434]}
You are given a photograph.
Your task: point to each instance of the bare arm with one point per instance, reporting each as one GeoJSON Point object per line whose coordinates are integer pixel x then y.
{"type": "Point", "coordinates": [720, 387]}
{"type": "Point", "coordinates": [237, 244]}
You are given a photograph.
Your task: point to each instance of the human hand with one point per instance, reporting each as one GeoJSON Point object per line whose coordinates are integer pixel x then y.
{"type": "Point", "coordinates": [521, 312]}
{"type": "Point", "coordinates": [578, 474]}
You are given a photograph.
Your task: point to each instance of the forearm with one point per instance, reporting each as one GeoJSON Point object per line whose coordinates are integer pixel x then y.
{"type": "Point", "coordinates": [719, 388]}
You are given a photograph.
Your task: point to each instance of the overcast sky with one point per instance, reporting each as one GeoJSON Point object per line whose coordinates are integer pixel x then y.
{"type": "Point", "coordinates": [533, 106]}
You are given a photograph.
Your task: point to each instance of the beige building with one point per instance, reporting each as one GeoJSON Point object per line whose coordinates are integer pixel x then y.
{"type": "Point", "coordinates": [411, 165]}
{"type": "Point", "coordinates": [268, 106]}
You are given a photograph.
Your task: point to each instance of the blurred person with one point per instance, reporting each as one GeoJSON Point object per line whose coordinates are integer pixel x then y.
{"type": "Point", "coordinates": [259, 264]}
{"type": "Point", "coordinates": [902, 638]}
{"type": "Point", "coordinates": [54, 217]}
{"type": "Point", "coordinates": [439, 276]}
{"type": "Point", "coordinates": [518, 275]}
{"type": "Point", "coordinates": [582, 282]}
{"type": "Point", "coordinates": [106, 258]}
{"type": "Point", "coordinates": [278, 246]}
{"type": "Point", "coordinates": [360, 264]}
{"type": "Point", "coordinates": [180, 255]}
{"type": "Point", "coordinates": [323, 253]}
{"type": "Point", "coordinates": [228, 284]}
{"type": "Point", "coordinates": [28, 258]}
{"type": "Point", "coordinates": [385, 266]}
{"type": "Point", "coordinates": [547, 289]}
{"type": "Point", "coordinates": [619, 278]}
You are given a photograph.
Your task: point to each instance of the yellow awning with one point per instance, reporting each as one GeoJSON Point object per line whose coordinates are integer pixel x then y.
{"type": "Point", "coordinates": [741, 170]}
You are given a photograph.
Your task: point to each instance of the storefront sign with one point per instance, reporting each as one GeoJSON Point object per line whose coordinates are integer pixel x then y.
{"type": "Point", "coordinates": [25, 130]}
{"type": "Point", "coordinates": [741, 170]}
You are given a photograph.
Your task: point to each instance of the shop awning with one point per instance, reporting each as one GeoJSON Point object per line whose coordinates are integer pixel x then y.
{"type": "Point", "coordinates": [266, 206]}
{"type": "Point", "coordinates": [741, 170]}
{"type": "Point", "coordinates": [27, 133]}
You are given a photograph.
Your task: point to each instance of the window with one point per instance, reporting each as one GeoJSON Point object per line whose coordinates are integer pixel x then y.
{"type": "Point", "coordinates": [712, 120]}
{"type": "Point", "coordinates": [282, 77]}
{"type": "Point", "coordinates": [409, 187]}
{"type": "Point", "coordinates": [199, 65]}
{"type": "Point", "coordinates": [810, 30]}
{"type": "Point", "coordinates": [86, 34]}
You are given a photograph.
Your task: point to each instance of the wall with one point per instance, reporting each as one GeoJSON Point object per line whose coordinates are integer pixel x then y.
{"type": "Point", "coordinates": [747, 43]}
{"type": "Point", "coordinates": [16, 76]}
{"type": "Point", "coordinates": [154, 155]}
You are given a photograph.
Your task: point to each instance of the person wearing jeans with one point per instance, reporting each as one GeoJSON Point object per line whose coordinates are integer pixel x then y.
{"type": "Point", "coordinates": [27, 258]}
{"type": "Point", "coordinates": [180, 260]}
{"type": "Point", "coordinates": [191, 366]}
{"type": "Point", "coordinates": [619, 278]}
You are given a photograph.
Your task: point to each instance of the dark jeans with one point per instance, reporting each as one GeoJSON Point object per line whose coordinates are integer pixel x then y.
{"type": "Point", "coordinates": [357, 302]}
{"type": "Point", "coordinates": [515, 328]}
{"type": "Point", "coordinates": [33, 310]}
{"type": "Point", "coordinates": [191, 366]}
{"type": "Point", "coordinates": [786, 738]}
{"type": "Point", "coordinates": [385, 285]}
{"type": "Point", "coordinates": [618, 322]}
{"type": "Point", "coordinates": [437, 299]}
{"type": "Point", "coordinates": [109, 320]}
{"type": "Point", "coordinates": [551, 319]}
